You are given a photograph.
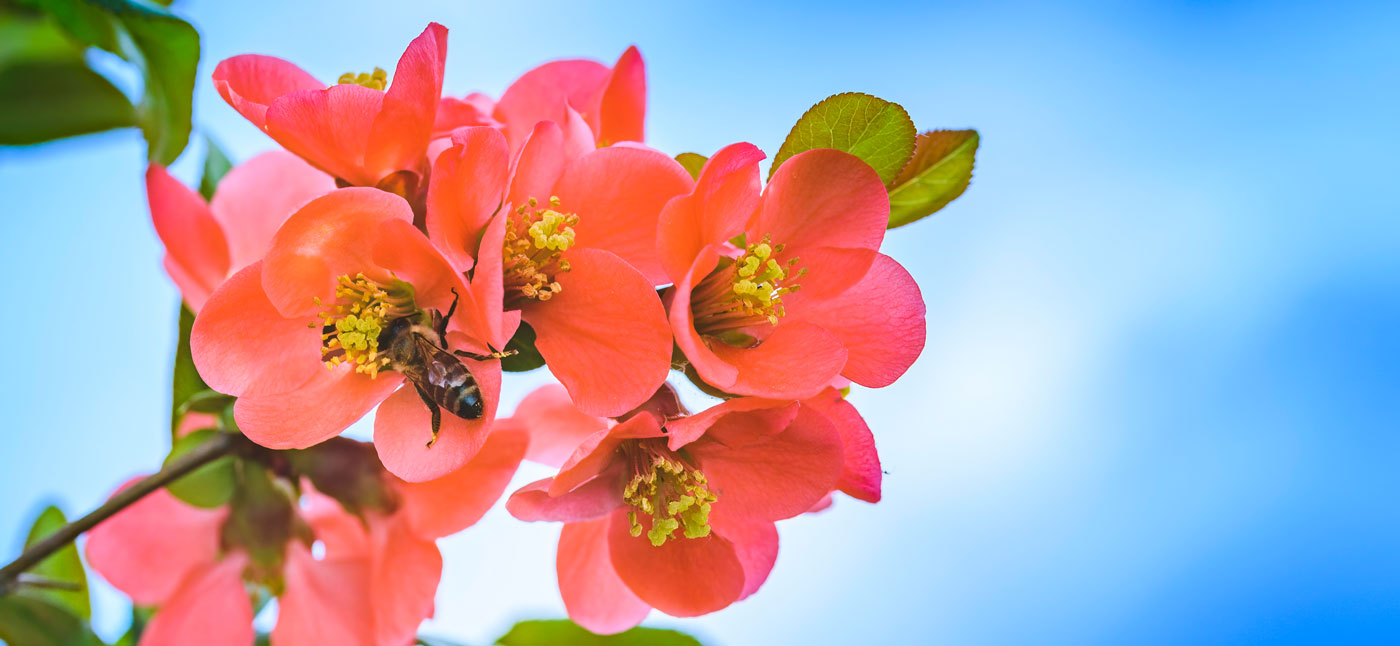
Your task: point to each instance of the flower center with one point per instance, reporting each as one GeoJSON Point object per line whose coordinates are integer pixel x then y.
{"type": "Point", "coordinates": [668, 488]}
{"type": "Point", "coordinates": [352, 323]}
{"type": "Point", "coordinates": [374, 81]}
{"type": "Point", "coordinates": [532, 254]}
{"type": "Point", "coordinates": [746, 291]}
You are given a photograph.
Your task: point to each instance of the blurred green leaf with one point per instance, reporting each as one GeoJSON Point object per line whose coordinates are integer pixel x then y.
{"type": "Point", "coordinates": [873, 129]}
{"type": "Point", "coordinates": [216, 165]}
{"type": "Point", "coordinates": [692, 162]}
{"type": "Point", "coordinates": [557, 632]}
{"type": "Point", "coordinates": [207, 401]}
{"type": "Point", "coordinates": [31, 621]}
{"type": "Point", "coordinates": [527, 357]}
{"type": "Point", "coordinates": [939, 172]}
{"type": "Point", "coordinates": [208, 486]}
{"type": "Point", "coordinates": [185, 380]}
{"type": "Point", "coordinates": [46, 100]}
{"type": "Point", "coordinates": [63, 566]}
{"type": "Point", "coordinates": [140, 616]}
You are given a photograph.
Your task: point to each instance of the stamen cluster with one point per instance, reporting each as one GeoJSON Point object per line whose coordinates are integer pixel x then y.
{"type": "Point", "coordinates": [377, 80]}
{"type": "Point", "coordinates": [747, 292]}
{"type": "Point", "coordinates": [532, 254]}
{"type": "Point", "coordinates": [667, 488]}
{"type": "Point", "coordinates": [352, 324]}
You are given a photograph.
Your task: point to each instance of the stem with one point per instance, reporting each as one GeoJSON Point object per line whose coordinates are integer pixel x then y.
{"type": "Point", "coordinates": [219, 446]}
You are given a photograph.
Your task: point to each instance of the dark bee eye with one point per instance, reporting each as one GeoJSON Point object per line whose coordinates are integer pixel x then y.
{"type": "Point", "coordinates": [469, 404]}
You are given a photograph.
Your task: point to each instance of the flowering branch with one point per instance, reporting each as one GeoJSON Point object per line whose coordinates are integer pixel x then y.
{"type": "Point", "coordinates": [12, 575]}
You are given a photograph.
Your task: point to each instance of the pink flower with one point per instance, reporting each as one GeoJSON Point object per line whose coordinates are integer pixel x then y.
{"type": "Point", "coordinates": [356, 130]}
{"type": "Point", "coordinates": [738, 314]}
{"type": "Point", "coordinates": [669, 511]}
{"type": "Point", "coordinates": [564, 238]}
{"type": "Point", "coordinates": [612, 101]}
{"type": "Point", "coordinates": [373, 585]}
{"type": "Point", "coordinates": [207, 242]}
{"type": "Point", "coordinates": [328, 325]}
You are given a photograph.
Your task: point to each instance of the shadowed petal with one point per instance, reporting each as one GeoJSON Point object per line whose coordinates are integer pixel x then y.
{"type": "Point", "coordinates": [403, 582]}
{"type": "Point", "coordinates": [861, 474]}
{"type": "Point", "coordinates": [147, 549]}
{"type": "Point", "coordinates": [257, 196]}
{"type": "Point", "coordinates": [797, 360]}
{"type": "Point", "coordinates": [210, 607]}
{"type": "Point", "coordinates": [685, 577]}
{"type": "Point", "coordinates": [469, 181]}
{"type": "Point", "coordinates": [194, 241]}
{"type": "Point", "coordinates": [454, 502]}
{"type": "Point", "coordinates": [725, 197]}
{"type": "Point", "coordinates": [324, 602]}
{"type": "Point", "coordinates": [593, 594]}
{"type": "Point", "coordinates": [593, 499]}
{"type": "Point", "coordinates": [556, 427]}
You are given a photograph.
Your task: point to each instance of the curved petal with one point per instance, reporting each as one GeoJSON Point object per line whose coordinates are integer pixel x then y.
{"type": "Point", "coordinates": [725, 197]}
{"type": "Point", "coordinates": [147, 549]}
{"type": "Point", "coordinates": [542, 93]}
{"type": "Point", "coordinates": [399, 137]}
{"type": "Point", "coordinates": [402, 584]}
{"type": "Point", "coordinates": [861, 473]}
{"type": "Point", "coordinates": [469, 182]}
{"type": "Point", "coordinates": [324, 602]}
{"type": "Point", "coordinates": [403, 426]}
{"type": "Point", "coordinates": [313, 412]}
{"type": "Point", "coordinates": [210, 607]}
{"type": "Point", "coordinates": [473, 110]}
{"type": "Point", "coordinates": [880, 321]}
{"type": "Point", "coordinates": [343, 535]}
{"type": "Point", "coordinates": [773, 476]}
{"type": "Point", "coordinates": [332, 235]}
{"type": "Point", "coordinates": [241, 344]}
{"type": "Point", "coordinates": [604, 335]}
{"type": "Point", "coordinates": [597, 453]}
{"type": "Point", "coordinates": [622, 112]}
{"type": "Point", "coordinates": [538, 165]}
{"type": "Point", "coordinates": [593, 594]}
{"type": "Point", "coordinates": [555, 426]}
{"type": "Point", "coordinates": [194, 241]}
{"type": "Point", "coordinates": [756, 545]}
{"type": "Point", "coordinates": [618, 194]}
{"type": "Point", "coordinates": [330, 128]}
{"type": "Point", "coordinates": [257, 196]}
{"type": "Point", "coordinates": [454, 502]}
{"type": "Point", "coordinates": [402, 251]}
{"type": "Point", "coordinates": [593, 499]}
{"type": "Point", "coordinates": [742, 417]}
{"type": "Point", "coordinates": [251, 82]}
{"type": "Point", "coordinates": [714, 370]}
{"type": "Point", "coordinates": [797, 360]}
{"type": "Point", "coordinates": [685, 577]}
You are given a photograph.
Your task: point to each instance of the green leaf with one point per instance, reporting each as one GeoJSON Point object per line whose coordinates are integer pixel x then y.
{"type": "Point", "coordinates": [62, 566]}
{"type": "Point", "coordinates": [526, 357]}
{"type": "Point", "coordinates": [939, 172]}
{"type": "Point", "coordinates": [185, 380]}
{"type": "Point", "coordinates": [209, 486]}
{"type": "Point", "coordinates": [692, 162]}
{"type": "Point", "coordinates": [46, 100]}
{"type": "Point", "coordinates": [553, 632]}
{"type": "Point", "coordinates": [164, 48]}
{"type": "Point", "coordinates": [31, 621]}
{"type": "Point", "coordinates": [216, 165]}
{"type": "Point", "coordinates": [873, 129]}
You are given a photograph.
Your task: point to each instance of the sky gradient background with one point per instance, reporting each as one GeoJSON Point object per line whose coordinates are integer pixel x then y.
{"type": "Point", "coordinates": [1158, 402]}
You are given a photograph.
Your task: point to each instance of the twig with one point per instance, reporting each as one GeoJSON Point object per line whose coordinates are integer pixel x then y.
{"type": "Point", "coordinates": [219, 446]}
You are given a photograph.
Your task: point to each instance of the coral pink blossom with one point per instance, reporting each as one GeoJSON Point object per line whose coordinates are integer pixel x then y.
{"type": "Point", "coordinates": [373, 585]}
{"type": "Point", "coordinates": [356, 130]}
{"type": "Point", "coordinates": [566, 237]}
{"type": "Point", "coordinates": [737, 313]}
{"type": "Point", "coordinates": [207, 242]}
{"type": "Point", "coordinates": [314, 336]}
{"type": "Point", "coordinates": [611, 101]}
{"type": "Point", "coordinates": [676, 513]}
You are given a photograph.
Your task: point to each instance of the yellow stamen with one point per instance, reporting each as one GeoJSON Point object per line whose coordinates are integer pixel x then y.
{"type": "Point", "coordinates": [746, 291]}
{"type": "Point", "coordinates": [377, 80]}
{"type": "Point", "coordinates": [351, 324]}
{"type": "Point", "coordinates": [532, 253]}
{"type": "Point", "coordinates": [667, 488]}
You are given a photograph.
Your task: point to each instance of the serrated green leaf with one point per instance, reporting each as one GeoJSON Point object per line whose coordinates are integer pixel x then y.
{"type": "Point", "coordinates": [526, 357]}
{"type": "Point", "coordinates": [31, 621]}
{"type": "Point", "coordinates": [939, 172]}
{"type": "Point", "coordinates": [63, 566]}
{"type": "Point", "coordinates": [554, 632]}
{"type": "Point", "coordinates": [873, 129]}
{"type": "Point", "coordinates": [185, 379]}
{"type": "Point", "coordinates": [209, 486]}
{"type": "Point", "coordinates": [692, 162]}
{"type": "Point", "coordinates": [216, 165]}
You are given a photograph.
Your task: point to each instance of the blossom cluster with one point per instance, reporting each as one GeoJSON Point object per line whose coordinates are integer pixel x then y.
{"type": "Point", "coordinates": [404, 248]}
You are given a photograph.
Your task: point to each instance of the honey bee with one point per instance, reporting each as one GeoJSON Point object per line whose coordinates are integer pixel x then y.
{"type": "Point", "coordinates": [419, 352]}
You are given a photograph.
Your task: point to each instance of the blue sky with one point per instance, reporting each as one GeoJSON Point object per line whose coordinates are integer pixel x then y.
{"type": "Point", "coordinates": [1158, 401]}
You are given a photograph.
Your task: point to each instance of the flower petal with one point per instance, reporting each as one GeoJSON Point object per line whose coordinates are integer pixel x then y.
{"type": "Point", "coordinates": [399, 137]}
{"type": "Point", "coordinates": [147, 549]}
{"type": "Point", "coordinates": [324, 602]}
{"type": "Point", "coordinates": [313, 412]}
{"type": "Point", "coordinates": [542, 93]}
{"type": "Point", "coordinates": [754, 415]}
{"type": "Point", "coordinates": [210, 607]}
{"type": "Point", "coordinates": [403, 426]}
{"type": "Point", "coordinates": [595, 498]}
{"type": "Point", "coordinates": [473, 110]}
{"type": "Point", "coordinates": [622, 113]}
{"type": "Point", "coordinates": [330, 128]}
{"type": "Point", "coordinates": [756, 545]}
{"type": "Point", "coordinates": [454, 502]}
{"type": "Point", "coordinates": [251, 82]}
{"type": "Point", "coordinates": [825, 198]}
{"type": "Point", "coordinates": [538, 165]}
{"type": "Point", "coordinates": [604, 335]}
{"type": "Point", "coordinates": [685, 577]}
{"type": "Point", "coordinates": [618, 194]}
{"type": "Point", "coordinates": [593, 594]}
{"type": "Point", "coordinates": [725, 197]}
{"type": "Point", "coordinates": [257, 196]}
{"type": "Point", "coordinates": [773, 476]}
{"type": "Point", "coordinates": [469, 182]}
{"type": "Point", "coordinates": [556, 427]}
{"type": "Point", "coordinates": [597, 453]}
{"type": "Point", "coordinates": [714, 370]}
{"type": "Point", "coordinates": [797, 360]}
{"type": "Point", "coordinates": [861, 473]}
{"type": "Point", "coordinates": [194, 241]}
{"type": "Point", "coordinates": [403, 582]}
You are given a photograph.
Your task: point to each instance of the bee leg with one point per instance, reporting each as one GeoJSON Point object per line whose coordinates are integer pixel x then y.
{"type": "Point", "coordinates": [484, 357]}
{"type": "Point", "coordinates": [435, 410]}
{"type": "Point", "coordinates": [442, 323]}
